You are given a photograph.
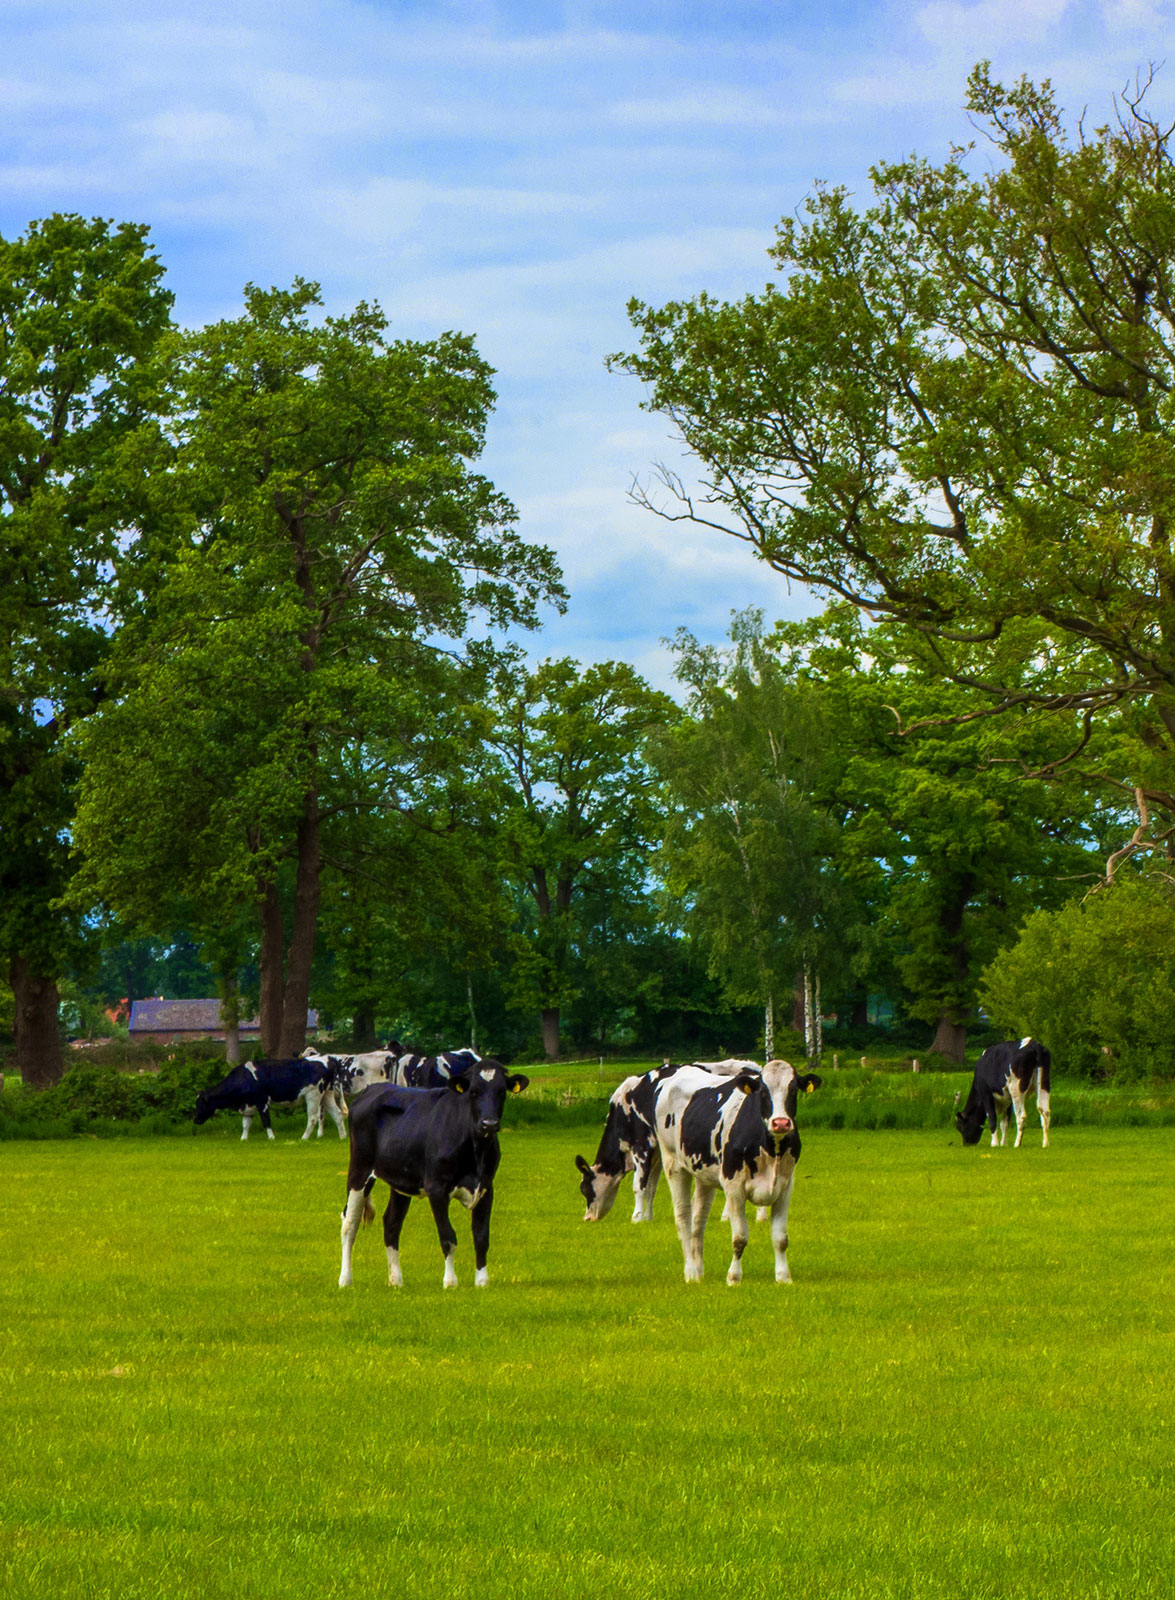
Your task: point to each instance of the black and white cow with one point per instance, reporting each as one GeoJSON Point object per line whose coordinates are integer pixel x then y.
{"type": "Point", "coordinates": [352, 1075]}
{"type": "Point", "coordinates": [1005, 1075]}
{"type": "Point", "coordinates": [629, 1142]}
{"type": "Point", "coordinates": [439, 1143]}
{"type": "Point", "coordinates": [736, 1134]}
{"type": "Point", "coordinates": [256, 1085]}
{"type": "Point", "coordinates": [416, 1071]}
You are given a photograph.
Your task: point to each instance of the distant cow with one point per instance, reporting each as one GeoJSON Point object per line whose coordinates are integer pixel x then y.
{"type": "Point", "coordinates": [352, 1074]}
{"type": "Point", "coordinates": [416, 1071]}
{"type": "Point", "coordinates": [738, 1134]}
{"type": "Point", "coordinates": [439, 1143]}
{"type": "Point", "coordinates": [256, 1085]}
{"type": "Point", "coordinates": [1005, 1075]}
{"type": "Point", "coordinates": [629, 1142]}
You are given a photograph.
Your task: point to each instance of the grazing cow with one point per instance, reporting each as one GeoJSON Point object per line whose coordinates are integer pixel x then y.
{"type": "Point", "coordinates": [629, 1142]}
{"type": "Point", "coordinates": [256, 1085]}
{"type": "Point", "coordinates": [738, 1134]}
{"type": "Point", "coordinates": [440, 1143]}
{"type": "Point", "coordinates": [1005, 1075]}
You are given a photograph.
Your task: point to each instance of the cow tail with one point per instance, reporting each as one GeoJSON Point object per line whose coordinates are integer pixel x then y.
{"type": "Point", "coordinates": [368, 1211]}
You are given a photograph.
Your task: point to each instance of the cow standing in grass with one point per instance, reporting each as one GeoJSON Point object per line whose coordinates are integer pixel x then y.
{"type": "Point", "coordinates": [736, 1134]}
{"type": "Point", "coordinates": [629, 1142]}
{"type": "Point", "coordinates": [439, 1143]}
{"type": "Point", "coordinates": [1005, 1075]}
{"type": "Point", "coordinates": [351, 1075]}
{"type": "Point", "coordinates": [256, 1085]}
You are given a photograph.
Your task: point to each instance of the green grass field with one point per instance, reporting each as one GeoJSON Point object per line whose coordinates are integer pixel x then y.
{"type": "Point", "coordinates": [966, 1393]}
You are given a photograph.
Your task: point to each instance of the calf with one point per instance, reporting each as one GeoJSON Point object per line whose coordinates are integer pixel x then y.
{"type": "Point", "coordinates": [439, 1143]}
{"type": "Point", "coordinates": [738, 1134]}
{"type": "Point", "coordinates": [629, 1142]}
{"type": "Point", "coordinates": [1005, 1075]}
{"type": "Point", "coordinates": [352, 1074]}
{"type": "Point", "coordinates": [256, 1085]}
{"type": "Point", "coordinates": [430, 1072]}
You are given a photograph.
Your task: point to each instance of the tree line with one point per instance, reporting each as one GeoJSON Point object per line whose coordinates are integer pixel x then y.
{"type": "Point", "coordinates": [263, 709]}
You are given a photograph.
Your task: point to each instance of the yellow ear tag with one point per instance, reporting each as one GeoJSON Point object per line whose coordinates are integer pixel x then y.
{"type": "Point", "coordinates": [458, 1085]}
{"type": "Point", "coordinates": [517, 1089]}
{"type": "Point", "coordinates": [809, 1089]}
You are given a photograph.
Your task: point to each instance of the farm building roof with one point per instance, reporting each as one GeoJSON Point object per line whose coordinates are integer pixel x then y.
{"type": "Point", "coordinates": [188, 1016]}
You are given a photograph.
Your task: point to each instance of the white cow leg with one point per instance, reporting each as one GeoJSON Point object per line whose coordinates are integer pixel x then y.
{"type": "Point", "coordinates": [1042, 1105]}
{"type": "Point", "coordinates": [395, 1276]}
{"type": "Point", "coordinates": [679, 1188]}
{"type": "Point", "coordinates": [313, 1110]}
{"type": "Point", "coordinates": [352, 1217]}
{"type": "Point", "coordinates": [740, 1232]}
{"type": "Point", "coordinates": [700, 1211]}
{"type": "Point", "coordinates": [246, 1121]}
{"type": "Point", "coordinates": [779, 1233]}
{"type": "Point", "coordinates": [762, 1213]}
{"type": "Point", "coordinates": [335, 1112]}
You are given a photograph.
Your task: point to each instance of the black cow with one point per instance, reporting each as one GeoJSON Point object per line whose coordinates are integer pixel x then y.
{"type": "Point", "coordinates": [1005, 1075]}
{"type": "Point", "coordinates": [440, 1143]}
{"type": "Point", "coordinates": [256, 1085]}
{"type": "Point", "coordinates": [738, 1134]}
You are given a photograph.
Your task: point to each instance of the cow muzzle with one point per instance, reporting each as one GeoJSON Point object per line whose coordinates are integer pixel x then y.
{"type": "Point", "coordinates": [781, 1125]}
{"type": "Point", "coordinates": [485, 1127]}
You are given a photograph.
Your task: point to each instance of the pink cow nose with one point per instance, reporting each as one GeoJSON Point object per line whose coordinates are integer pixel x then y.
{"type": "Point", "coordinates": [780, 1124]}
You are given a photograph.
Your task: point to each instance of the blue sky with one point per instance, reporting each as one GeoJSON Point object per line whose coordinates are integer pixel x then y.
{"type": "Point", "coordinates": [518, 170]}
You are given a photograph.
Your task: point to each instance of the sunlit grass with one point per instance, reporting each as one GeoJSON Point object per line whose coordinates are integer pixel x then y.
{"type": "Point", "coordinates": [966, 1392]}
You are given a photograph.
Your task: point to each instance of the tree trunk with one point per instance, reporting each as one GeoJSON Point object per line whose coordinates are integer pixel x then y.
{"type": "Point", "coordinates": [859, 1016]}
{"type": "Point", "coordinates": [38, 1038]}
{"type": "Point", "coordinates": [797, 1009]}
{"type": "Point", "coordinates": [230, 1016]}
{"type": "Point", "coordinates": [549, 1017]}
{"type": "Point", "coordinates": [363, 1027]}
{"type": "Point", "coordinates": [296, 1001]}
{"type": "Point", "coordinates": [950, 1038]}
{"type": "Point", "coordinates": [272, 971]}
{"type": "Point", "coordinates": [769, 1029]}
{"type": "Point", "coordinates": [472, 1012]}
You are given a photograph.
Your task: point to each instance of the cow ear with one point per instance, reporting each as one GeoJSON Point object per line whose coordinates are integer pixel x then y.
{"type": "Point", "coordinates": [459, 1084]}
{"type": "Point", "coordinates": [810, 1081]}
{"type": "Point", "coordinates": [746, 1081]}
{"type": "Point", "coordinates": [582, 1166]}
{"type": "Point", "coordinates": [516, 1083]}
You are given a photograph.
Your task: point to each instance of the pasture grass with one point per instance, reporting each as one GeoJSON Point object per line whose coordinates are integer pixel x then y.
{"type": "Point", "coordinates": [966, 1393]}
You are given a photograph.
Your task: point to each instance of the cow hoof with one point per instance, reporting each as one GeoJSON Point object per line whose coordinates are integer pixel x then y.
{"type": "Point", "coordinates": [783, 1278]}
{"type": "Point", "coordinates": [732, 1281]}
{"type": "Point", "coordinates": [345, 1282]}
{"type": "Point", "coordinates": [482, 1279]}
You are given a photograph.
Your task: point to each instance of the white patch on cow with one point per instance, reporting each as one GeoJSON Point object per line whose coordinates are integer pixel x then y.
{"type": "Point", "coordinates": [467, 1197]}
{"type": "Point", "coordinates": [249, 1067]}
{"type": "Point", "coordinates": [1023, 1042]}
{"type": "Point", "coordinates": [395, 1276]}
{"type": "Point", "coordinates": [352, 1217]}
{"type": "Point", "coordinates": [269, 1133]}
{"type": "Point", "coordinates": [246, 1123]}
{"type": "Point", "coordinates": [482, 1277]}
{"type": "Point", "coordinates": [449, 1281]}
{"type": "Point", "coordinates": [488, 1074]}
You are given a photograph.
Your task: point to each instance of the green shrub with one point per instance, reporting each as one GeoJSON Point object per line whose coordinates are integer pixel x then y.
{"type": "Point", "coordinates": [1096, 976]}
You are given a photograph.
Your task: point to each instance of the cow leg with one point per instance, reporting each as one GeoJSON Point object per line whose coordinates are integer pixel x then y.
{"type": "Point", "coordinates": [740, 1232]}
{"type": "Point", "coordinates": [393, 1222]}
{"type": "Point", "coordinates": [313, 1110]}
{"type": "Point", "coordinates": [358, 1209]}
{"type": "Point", "coordinates": [335, 1112]}
{"type": "Point", "coordinates": [1020, 1107]}
{"type": "Point", "coordinates": [246, 1121]}
{"type": "Point", "coordinates": [1042, 1105]}
{"type": "Point", "coordinates": [779, 1232]}
{"type": "Point", "coordinates": [679, 1187]}
{"type": "Point", "coordinates": [448, 1237]}
{"type": "Point", "coordinates": [644, 1187]}
{"type": "Point", "coordinates": [480, 1219]}
{"type": "Point", "coordinates": [265, 1122]}
{"type": "Point", "coordinates": [699, 1213]}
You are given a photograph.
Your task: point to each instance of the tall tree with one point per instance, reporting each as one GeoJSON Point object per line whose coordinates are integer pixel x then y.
{"type": "Point", "coordinates": [82, 309]}
{"type": "Point", "coordinates": [327, 530]}
{"type": "Point", "coordinates": [956, 411]}
{"type": "Point", "coordinates": [577, 808]}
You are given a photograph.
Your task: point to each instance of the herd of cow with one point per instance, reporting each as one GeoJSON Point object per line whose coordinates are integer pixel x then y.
{"type": "Point", "coordinates": [428, 1125]}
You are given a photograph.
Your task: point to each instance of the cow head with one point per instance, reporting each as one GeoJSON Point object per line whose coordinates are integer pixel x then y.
{"type": "Point", "coordinates": [599, 1188]}
{"type": "Point", "coordinates": [486, 1084]}
{"type": "Point", "coordinates": [780, 1087]}
{"type": "Point", "coordinates": [203, 1109]}
{"type": "Point", "coordinates": [970, 1122]}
